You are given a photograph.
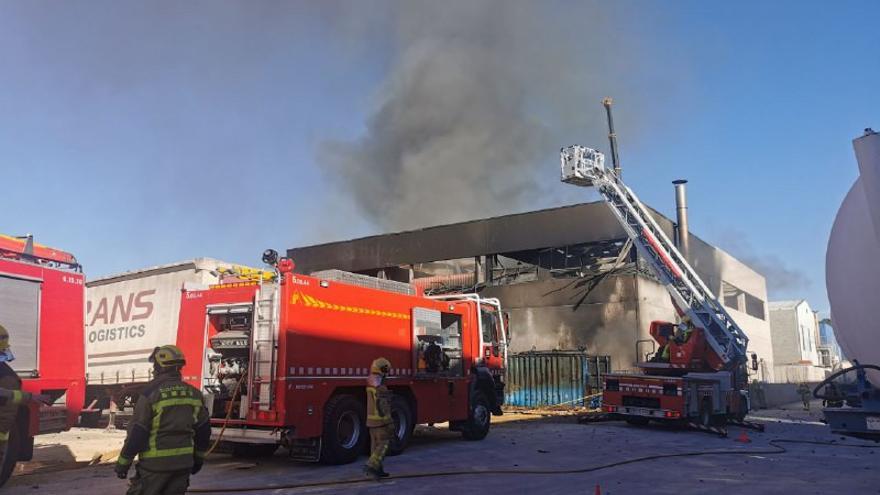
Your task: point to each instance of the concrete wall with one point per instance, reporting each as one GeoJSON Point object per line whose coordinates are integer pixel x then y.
{"type": "Point", "coordinates": [777, 394]}
{"type": "Point", "coordinates": [797, 373]}
{"type": "Point", "coordinates": [794, 334]}
{"type": "Point", "coordinates": [786, 342]}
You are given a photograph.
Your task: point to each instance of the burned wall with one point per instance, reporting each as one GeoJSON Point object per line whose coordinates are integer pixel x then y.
{"type": "Point", "coordinates": [565, 314]}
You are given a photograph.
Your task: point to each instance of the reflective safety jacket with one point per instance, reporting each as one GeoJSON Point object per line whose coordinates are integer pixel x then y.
{"type": "Point", "coordinates": [378, 402]}
{"type": "Point", "coordinates": [170, 427]}
{"type": "Point", "coordinates": [9, 406]}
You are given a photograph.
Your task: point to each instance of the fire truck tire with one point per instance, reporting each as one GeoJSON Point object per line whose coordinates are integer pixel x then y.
{"type": "Point", "coordinates": [479, 420]}
{"type": "Point", "coordinates": [254, 450]}
{"type": "Point", "coordinates": [13, 450]}
{"type": "Point", "coordinates": [403, 424]}
{"type": "Point", "coordinates": [344, 434]}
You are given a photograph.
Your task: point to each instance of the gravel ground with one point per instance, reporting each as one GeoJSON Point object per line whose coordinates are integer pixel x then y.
{"type": "Point", "coordinates": [551, 442]}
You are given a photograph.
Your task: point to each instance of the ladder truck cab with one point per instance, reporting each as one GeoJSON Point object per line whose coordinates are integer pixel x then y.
{"type": "Point", "coordinates": [283, 359]}
{"type": "Point", "coordinates": [699, 372]}
{"type": "Point", "coordinates": [41, 306]}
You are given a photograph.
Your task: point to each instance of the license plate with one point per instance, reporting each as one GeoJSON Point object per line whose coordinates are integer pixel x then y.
{"type": "Point", "coordinates": [873, 422]}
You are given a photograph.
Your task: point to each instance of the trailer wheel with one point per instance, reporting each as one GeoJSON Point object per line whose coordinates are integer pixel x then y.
{"type": "Point", "coordinates": [254, 450]}
{"type": "Point", "coordinates": [344, 434]}
{"type": "Point", "coordinates": [12, 450]}
{"type": "Point", "coordinates": [401, 413]}
{"type": "Point", "coordinates": [480, 418]}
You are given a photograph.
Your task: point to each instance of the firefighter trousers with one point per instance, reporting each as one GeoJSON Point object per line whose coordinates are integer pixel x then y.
{"type": "Point", "coordinates": [158, 482]}
{"type": "Point", "coordinates": [380, 439]}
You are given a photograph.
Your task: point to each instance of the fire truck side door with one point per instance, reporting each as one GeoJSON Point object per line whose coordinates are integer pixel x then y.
{"type": "Point", "coordinates": [491, 353]}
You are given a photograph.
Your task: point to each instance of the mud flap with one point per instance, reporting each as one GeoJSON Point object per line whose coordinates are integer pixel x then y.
{"type": "Point", "coordinates": [715, 430]}
{"type": "Point", "coordinates": [305, 449]}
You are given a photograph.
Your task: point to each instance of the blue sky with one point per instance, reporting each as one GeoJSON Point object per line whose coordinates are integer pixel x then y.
{"type": "Point", "coordinates": [134, 134]}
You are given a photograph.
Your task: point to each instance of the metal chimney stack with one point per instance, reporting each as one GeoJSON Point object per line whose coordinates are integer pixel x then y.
{"type": "Point", "coordinates": [681, 211]}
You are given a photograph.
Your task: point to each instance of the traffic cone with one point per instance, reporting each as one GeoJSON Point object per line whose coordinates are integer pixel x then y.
{"type": "Point", "coordinates": [598, 490]}
{"type": "Point", "coordinates": [743, 437]}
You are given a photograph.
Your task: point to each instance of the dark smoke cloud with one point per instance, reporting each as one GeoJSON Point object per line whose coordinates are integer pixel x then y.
{"type": "Point", "coordinates": [782, 280]}
{"type": "Point", "coordinates": [477, 101]}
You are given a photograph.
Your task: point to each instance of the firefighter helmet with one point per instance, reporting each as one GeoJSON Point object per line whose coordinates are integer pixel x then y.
{"type": "Point", "coordinates": [380, 366]}
{"type": "Point", "coordinates": [168, 356]}
{"type": "Point", "coordinates": [5, 352]}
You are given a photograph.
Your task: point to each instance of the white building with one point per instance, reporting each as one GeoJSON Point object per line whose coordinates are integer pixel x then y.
{"type": "Point", "coordinates": [830, 354]}
{"type": "Point", "coordinates": [795, 332]}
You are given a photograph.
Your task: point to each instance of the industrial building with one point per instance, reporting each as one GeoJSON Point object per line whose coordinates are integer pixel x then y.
{"type": "Point", "coordinates": [795, 330]}
{"type": "Point", "coordinates": [568, 277]}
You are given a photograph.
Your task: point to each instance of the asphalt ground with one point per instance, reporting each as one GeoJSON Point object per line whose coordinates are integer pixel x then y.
{"type": "Point", "coordinates": [554, 442]}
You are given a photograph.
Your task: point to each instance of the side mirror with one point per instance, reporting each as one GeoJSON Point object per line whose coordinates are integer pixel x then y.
{"type": "Point", "coordinates": [507, 331]}
{"type": "Point", "coordinates": [754, 362]}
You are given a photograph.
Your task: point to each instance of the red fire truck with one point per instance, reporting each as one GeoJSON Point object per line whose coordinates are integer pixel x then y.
{"type": "Point", "coordinates": [699, 375]}
{"type": "Point", "coordinates": [284, 361]}
{"type": "Point", "coordinates": [41, 305]}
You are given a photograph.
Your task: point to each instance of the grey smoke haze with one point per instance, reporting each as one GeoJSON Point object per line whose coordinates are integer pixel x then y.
{"type": "Point", "coordinates": [782, 280]}
{"type": "Point", "coordinates": [477, 101]}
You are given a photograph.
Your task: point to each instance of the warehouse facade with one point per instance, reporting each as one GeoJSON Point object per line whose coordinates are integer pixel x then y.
{"type": "Point", "coordinates": [568, 276]}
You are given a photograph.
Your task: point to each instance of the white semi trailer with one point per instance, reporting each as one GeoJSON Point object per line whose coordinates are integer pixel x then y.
{"type": "Point", "coordinates": [129, 314]}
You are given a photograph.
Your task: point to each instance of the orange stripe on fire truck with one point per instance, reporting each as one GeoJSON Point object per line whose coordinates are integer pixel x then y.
{"type": "Point", "coordinates": [312, 302]}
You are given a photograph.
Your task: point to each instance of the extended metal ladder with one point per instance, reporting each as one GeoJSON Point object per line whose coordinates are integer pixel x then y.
{"type": "Point", "coordinates": [264, 350]}
{"type": "Point", "coordinates": [585, 167]}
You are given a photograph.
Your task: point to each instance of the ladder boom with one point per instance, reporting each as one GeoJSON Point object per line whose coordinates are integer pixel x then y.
{"type": "Point", "coordinates": [585, 167]}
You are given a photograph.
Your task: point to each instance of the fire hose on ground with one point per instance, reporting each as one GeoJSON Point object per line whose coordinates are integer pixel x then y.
{"type": "Point", "coordinates": [778, 449]}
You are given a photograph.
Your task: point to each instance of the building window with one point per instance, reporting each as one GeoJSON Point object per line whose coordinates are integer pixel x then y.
{"type": "Point", "coordinates": [754, 306]}
{"type": "Point", "coordinates": [740, 300]}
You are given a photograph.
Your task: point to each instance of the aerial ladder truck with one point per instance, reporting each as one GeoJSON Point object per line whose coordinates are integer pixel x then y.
{"type": "Point", "coordinates": [698, 375]}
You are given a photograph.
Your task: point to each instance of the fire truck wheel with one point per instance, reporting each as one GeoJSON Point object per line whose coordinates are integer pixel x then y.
{"type": "Point", "coordinates": [254, 450]}
{"type": "Point", "coordinates": [479, 420]}
{"type": "Point", "coordinates": [344, 435]}
{"type": "Point", "coordinates": [403, 424]}
{"type": "Point", "coordinates": [10, 456]}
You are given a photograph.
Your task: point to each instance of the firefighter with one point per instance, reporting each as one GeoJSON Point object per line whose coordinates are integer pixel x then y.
{"type": "Point", "coordinates": [11, 396]}
{"type": "Point", "coordinates": [378, 418]}
{"type": "Point", "coordinates": [169, 433]}
{"type": "Point", "coordinates": [804, 390]}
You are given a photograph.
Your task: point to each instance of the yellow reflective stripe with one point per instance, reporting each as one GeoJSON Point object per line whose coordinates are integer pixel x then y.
{"type": "Point", "coordinates": [4, 436]}
{"type": "Point", "coordinates": [201, 454]}
{"type": "Point", "coordinates": [372, 416]}
{"type": "Point", "coordinates": [162, 404]}
{"type": "Point", "coordinates": [17, 396]}
{"type": "Point", "coordinates": [125, 461]}
{"type": "Point", "coordinates": [153, 451]}
{"type": "Point", "coordinates": [166, 452]}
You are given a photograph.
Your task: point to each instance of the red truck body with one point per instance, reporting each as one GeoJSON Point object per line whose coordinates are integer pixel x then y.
{"type": "Point", "coordinates": [44, 291]}
{"type": "Point", "coordinates": [326, 334]}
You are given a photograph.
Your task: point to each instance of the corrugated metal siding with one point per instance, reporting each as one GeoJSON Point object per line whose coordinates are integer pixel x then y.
{"type": "Point", "coordinates": [553, 378]}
